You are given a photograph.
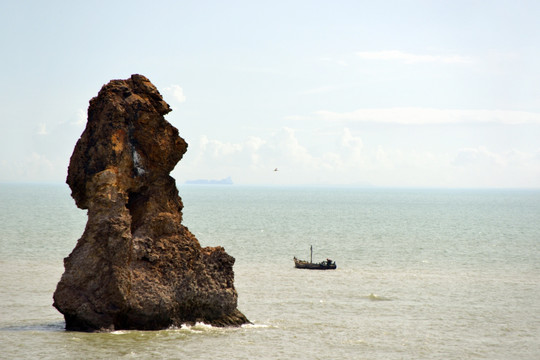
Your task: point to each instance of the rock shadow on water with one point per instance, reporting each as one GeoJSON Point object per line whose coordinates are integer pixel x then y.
{"type": "Point", "coordinates": [38, 327]}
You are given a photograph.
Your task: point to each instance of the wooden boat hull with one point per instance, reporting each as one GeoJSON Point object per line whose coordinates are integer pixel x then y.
{"type": "Point", "coordinates": [324, 265]}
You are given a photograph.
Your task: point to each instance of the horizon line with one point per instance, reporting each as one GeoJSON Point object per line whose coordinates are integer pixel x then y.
{"type": "Point", "coordinates": [358, 186]}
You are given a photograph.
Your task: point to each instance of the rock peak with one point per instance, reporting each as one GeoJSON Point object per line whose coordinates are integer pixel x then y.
{"type": "Point", "coordinates": [126, 132]}
{"type": "Point", "coordinates": [136, 266]}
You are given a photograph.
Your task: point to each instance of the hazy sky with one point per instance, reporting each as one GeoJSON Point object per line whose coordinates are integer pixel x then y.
{"type": "Point", "coordinates": [388, 93]}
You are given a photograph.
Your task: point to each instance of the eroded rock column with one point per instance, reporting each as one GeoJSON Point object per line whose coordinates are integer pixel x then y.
{"type": "Point", "coordinates": [136, 266]}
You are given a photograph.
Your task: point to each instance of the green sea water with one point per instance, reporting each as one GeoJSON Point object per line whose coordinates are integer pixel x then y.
{"type": "Point", "coordinates": [422, 274]}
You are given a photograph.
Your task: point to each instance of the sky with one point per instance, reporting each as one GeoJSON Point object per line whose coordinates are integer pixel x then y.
{"type": "Point", "coordinates": [355, 93]}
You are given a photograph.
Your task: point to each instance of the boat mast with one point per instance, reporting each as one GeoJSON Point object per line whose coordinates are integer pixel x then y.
{"type": "Point", "coordinates": [311, 258]}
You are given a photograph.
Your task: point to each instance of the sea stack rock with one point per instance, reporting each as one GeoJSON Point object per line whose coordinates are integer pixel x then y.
{"type": "Point", "coordinates": [136, 266]}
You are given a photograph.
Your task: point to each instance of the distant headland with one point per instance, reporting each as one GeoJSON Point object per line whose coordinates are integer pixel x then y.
{"type": "Point", "coordinates": [226, 181]}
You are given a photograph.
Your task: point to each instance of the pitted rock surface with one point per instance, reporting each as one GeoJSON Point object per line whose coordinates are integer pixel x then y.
{"type": "Point", "coordinates": [136, 265]}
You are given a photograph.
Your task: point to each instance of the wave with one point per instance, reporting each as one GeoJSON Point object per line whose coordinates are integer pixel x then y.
{"type": "Point", "coordinates": [375, 297]}
{"type": "Point", "coordinates": [201, 327]}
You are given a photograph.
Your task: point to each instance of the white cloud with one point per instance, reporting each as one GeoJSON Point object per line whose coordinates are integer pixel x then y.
{"type": "Point", "coordinates": [254, 143]}
{"type": "Point", "coordinates": [478, 156]}
{"type": "Point", "coordinates": [349, 141]}
{"type": "Point", "coordinates": [43, 129]}
{"type": "Point", "coordinates": [481, 156]}
{"type": "Point", "coordinates": [410, 58]}
{"type": "Point", "coordinates": [351, 150]}
{"type": "Point", "coordinates": [481, 167]}
{"type": "Point", "coordinates": [424, 116]}
{"type": "Point", "coordinates": [251, 160]}
{"type": "Point", "coordinates": [218, 149]}
{"type": "Point", "coordinates": [344, 158]}
{"type": "Point", "coordinates": [80, 118]}
{"type": "Point", "coordinates": [176, 92]}
{"type": "Point", "coordinates": [39, 165]}
{"type": "Point", "coordinates": [287, 144]}
{"type": "Point", "coordinates": [32, 167]}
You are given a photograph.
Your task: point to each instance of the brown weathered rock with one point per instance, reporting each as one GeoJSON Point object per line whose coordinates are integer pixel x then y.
{"type": "Point", "coordinates": [136, 266]}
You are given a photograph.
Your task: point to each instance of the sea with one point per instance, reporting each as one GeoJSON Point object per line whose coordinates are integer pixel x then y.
{"type": "Point", "coordinates": [421, 274]}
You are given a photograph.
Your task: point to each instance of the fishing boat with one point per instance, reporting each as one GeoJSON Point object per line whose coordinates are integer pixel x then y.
{"type": "Point", "coordinates": [323, 265]}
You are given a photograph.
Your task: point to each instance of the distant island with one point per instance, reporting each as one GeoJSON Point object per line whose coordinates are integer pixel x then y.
{"type": "Point", "coordinates": [226, 181]}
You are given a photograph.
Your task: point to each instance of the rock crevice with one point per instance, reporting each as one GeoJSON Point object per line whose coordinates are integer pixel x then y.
{"type": "Point", "coordinates": [136, 266]}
